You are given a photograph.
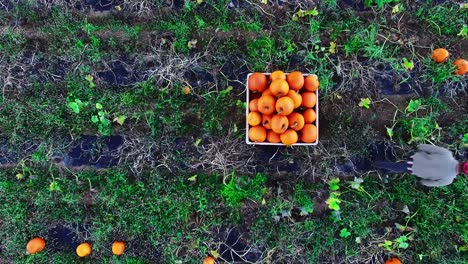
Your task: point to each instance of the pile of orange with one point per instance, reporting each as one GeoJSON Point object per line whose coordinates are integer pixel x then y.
{"type": "Point", "coordinates": [282, 107]}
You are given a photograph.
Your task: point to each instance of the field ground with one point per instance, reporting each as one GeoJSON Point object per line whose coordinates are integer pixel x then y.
{"type": "Point", "coordinates": [99, 143]}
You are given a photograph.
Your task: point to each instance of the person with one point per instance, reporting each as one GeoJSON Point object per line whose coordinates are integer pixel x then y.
{"type": "Point", "coordinates": [435, 165]}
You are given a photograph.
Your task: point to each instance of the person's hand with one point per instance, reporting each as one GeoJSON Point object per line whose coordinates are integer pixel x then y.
{"type": "Point", "coordinates": [435, 165]}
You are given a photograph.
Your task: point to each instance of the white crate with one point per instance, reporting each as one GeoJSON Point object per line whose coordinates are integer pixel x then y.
{"type": "Point", "coordinates": [247, 140]}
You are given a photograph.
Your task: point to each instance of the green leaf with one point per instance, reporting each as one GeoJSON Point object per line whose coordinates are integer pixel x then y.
{"type": "Point", "coordinates": [389, 131]}
{"type": "Point", "coordinates": [303, 13]}
{"type": "Point", "coordinates": [98, 106]}
{"type": "Point", "coordinates": [408, 65]}
{"type": "Point", "coordinates": [120, 119]}
{"type": "Point", "coordinates": [334, 184]}
{"type": "Point", "coordinates": [333, 201]}
{"type": "Point", "coordinates": [225, 92]}
{"type": "Point", "coordinates": [89, 78]}
{"type": "Point", "coordinates": [332, 48]}
{"type": "Point", "coordinates": [403, 245]}
{"type": "Point", "coordinates": [365, 102]}
{"type": "Point", "coordinates": [75, 107]}
{"type": "Point", "coordinates": [193, 178]}
{"type": "Point", "coordinates": [95, 119]}
{"type": "Point", "coordinates": [463, 32]}
{"type": "Point", "coordinates": [397, 9]}
{"type": "Point", "coordinates": [306, 210]}
{"type": "Point", "coordinates": [344, 233]}
{"type": "Point", "coordinates": [413, 105]}
{"type": "Point", "coordinates": [465, 139]}
{"type": "Point", "coordinates": [356, 184]}
{"type": "Point", "coordinates": [54, 186]}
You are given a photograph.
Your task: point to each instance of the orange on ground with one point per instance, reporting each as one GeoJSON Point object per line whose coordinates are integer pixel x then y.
{"type": "Point", "coordinates": [279, 88]}
{"type": "Point", "coordinates": [84, 249]}
{"type": "Point", "coordinates": [257, 134]}
{"type": "Point", "coordinates": [311, 83]}
{"type": "Point", "coordinates": [35, 245]}
{"type": "Point", "coordinates": [273, 137]}
{"type": "Point", "coordinates": [295, 80]}
{"type": "Point", "coordinates": [277, 75]}
{"type": "Point", "coordinates": [309, 133]}
{"type": "Point", "coordinates": [284, 105]}
{"type": "Point", "coordinates": [309, 116]}
{"type": "Point", "coordinates": [266, 121]}
{"type": "Point", "coordinates": [254, 118]}
{"type": "Point", "coordinates": [461, 66]}
{"type": "Point", "coordinates": [209, 260]}
{"type": "Point", "coordinates": [253, 105]}
{"type": "Point", "coordinates": [393, 261]}
{"type": "Point", "coordinates": [186, 90]}
{"type": "Point", "coordinates": [440, 55]}
{"type": "Point", "coordinates": [309, 99]}
{"type": "Point", "coordinates": [297, 98]}
{"type": "Point", "coordinates": [266, 104]}
{"type": "Point", "coordinates": [118, 248]}
{"type": "Point", "coordinates": [279, 123]}
{"type": "Point", "coordinates": [257, 82]}
{"type": "Point", "coordinates": [289, 137]}
{"type": "Point", "coordinates": [296, 121]}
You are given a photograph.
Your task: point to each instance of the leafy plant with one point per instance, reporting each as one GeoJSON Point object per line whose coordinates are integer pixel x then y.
{"type": "Point", "coordinates": [240, 188]}
{"type": "Point", "coordinates": [103, 123]}
{"type": "Point", "coordinates": [365, 103]}
{"type": "Point", "coordinates": [399, 243]}
{"type": "Point", "coordinates": [303, 200]}
{"type": "Point", "coordinates": [344, 233]}
{"type": "Point", "coordinates": [408, 65]}
{"type": "Point", "coordinates": [334, 201]}
{"type": "Point", "coordinates": [76, 105]}
{"type": "Point", "coordinates": [379, 3]}
{"type": "Point", "coordinates": [303, 13]}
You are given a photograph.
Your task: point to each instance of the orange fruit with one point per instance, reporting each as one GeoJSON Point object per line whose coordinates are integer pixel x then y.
{"type": "Point", "coordinates": [295, 80]}
{"type": "Point", "coordinates": [309, 116]}
{"type": "Point", "coordinates": [277, 75]}
{"type": "Point", "coordinates": [118, 248]}
{"type": "Point", "coordinates": [309, 99]}
{"type": "Point", "coordinates": [289, 137]}
{"type": "Point", "coordinates": [393, 261]}
{"type": "Point", "coordinates": [257, 82]}
{"type": "Point", "coordinates": [309, 133]}
{"type": "Point", "coordinates": [440, 55]}
{"type": "Point", "coordinates": [267, 92]}
{"type": "Point", "coordinates": [257, 134]}
{"type": "Point", "coordinates": [284, 105]}
{"type": "Point", "coordinates": [279, 88]}
{"type": "Point", "coordinates": [35, 245]}
{"type": "Point", "coordinates": [84, 249]}
{"type": "Point", "coordinates": [297, 98]}
{"type": "Point", "coordinates": [266, 121]}
{"type": "Point", "coordinates": [209, 260]}
{"type": "Point", "coordinates": [461, 65]}
{"type": "Point", "coordinates": [311, 83]}
{"type": "Point", "coordinates": [279, 123]}
{"type": "Point", "coordinates": [266, 104]}
{"type": "Point", "coordinates": [254, 118]}
{"type": "Point", "coordinates": [296, 121]}
{"type": "Point", "coordinates": [186, 90]}
{"type": "Point", "coordinates": [273, 137]}
{"type": "Point", "coordinates": [253, 105]}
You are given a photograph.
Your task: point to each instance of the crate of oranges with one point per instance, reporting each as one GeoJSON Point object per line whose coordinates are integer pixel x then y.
{"type": "Point", "coordinates": [282, 109]}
